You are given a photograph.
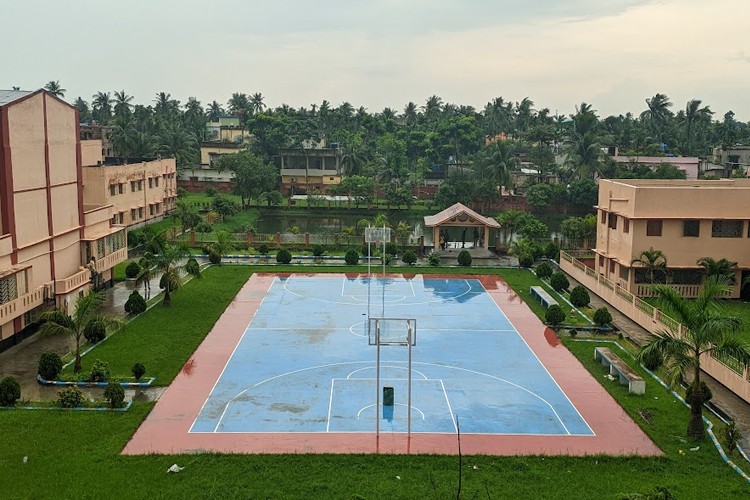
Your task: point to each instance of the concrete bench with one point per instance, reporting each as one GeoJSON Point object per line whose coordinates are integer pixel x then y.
{"type": "Point", "coordinates": [618, 368]}
{"type": "Point", "coordinates": [544, 297]}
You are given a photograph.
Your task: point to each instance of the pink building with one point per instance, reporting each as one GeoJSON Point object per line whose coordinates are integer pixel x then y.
{"type": "Point", "coordinates": [688, 164]}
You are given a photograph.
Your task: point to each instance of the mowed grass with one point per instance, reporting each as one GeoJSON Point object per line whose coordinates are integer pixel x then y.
{"type": "Point", "coordinates": [163, 338]}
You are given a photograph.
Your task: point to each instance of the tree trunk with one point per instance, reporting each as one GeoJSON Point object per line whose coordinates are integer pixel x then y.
{"type": "Point", "coordinates": [167, 296]}
{"type": "Point", "coordinates": [77, 366]}
{"type": "Point", "coordinates": [696, 430]}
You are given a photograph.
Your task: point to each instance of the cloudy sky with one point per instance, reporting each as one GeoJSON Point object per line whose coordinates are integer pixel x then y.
{"type": "Point", "coordinates": [376, 53]}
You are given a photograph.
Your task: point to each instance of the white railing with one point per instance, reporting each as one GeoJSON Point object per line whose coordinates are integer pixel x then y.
{"type": "Point", "coordinates": [23, 304]}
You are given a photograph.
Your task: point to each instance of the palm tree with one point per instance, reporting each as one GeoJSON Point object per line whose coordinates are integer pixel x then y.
{"type": "Point", "coordinates": [498, 162]}
{"type": "Point", "coordinates": [171, 264]}
{"type": "Point", "coordinates": [54, 88]}
{"type": "Point", "coordinates": [511, 220]}
{"type": "Point", "coordinates": [256, 103]}
{"type": "Point", "coordinates": [721, 268]}
{"type": "Point", "coordinates": [410, 114]}
{"type": "Point", "coordinates": [181, 144]}
{"type": "Point", "coordinates": [694, 115]}
{"type": "Point", "coordinates": [122, 103]}
{"type": "Point", "coordinates": [654, 261]}
{"type": "Point", "coordinates": [657, 115]}
{"type": "Point", "coordinates": [146, 274]}
{"type": "Point", "coordinates": [708, 330]}
{"type": "Point", "coordinates": [102, 106]}
{"type": "Point", "coordinates": [86, 312]}
{"type": "Point", "coordinates": [214, 111]}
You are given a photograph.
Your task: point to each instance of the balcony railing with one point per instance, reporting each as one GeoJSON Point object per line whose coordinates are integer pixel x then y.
{"type": "Point", "coordinates": [23, 304]}
{"type": "Point", "coordinates": [111, 260]}
{"type": "Point", "coordinates": [70, 283]}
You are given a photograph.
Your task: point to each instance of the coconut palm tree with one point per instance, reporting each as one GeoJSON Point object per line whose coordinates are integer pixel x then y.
{"type": "Point", "coordinates": [657, 115]}
{"type": "Point", "coordinates": [122, 103]}
{"type": "Point", "coordinates": [256, 103]}
{"type": "Point", "coordinates": [101, 105]}
{"type": "Point", "coordinates": [179, 143]}
{"type": "Point", "coordinates": [86, 312]}
{"type": "Point", "coordinates": [146, 274]}
{"type": "Point", "coordinates": [718, 268]}
{"type": "Point", "coordinates": [694, 115]}
{"type": "Point", "coordinates": [170, 262]}
{"type": "Point", "coordinates": [214, 111]}
{"type": "Point", "coordinates": [654, 261]}
{"type": "Point", "coordinates": [497, 162]}
{"type": "Point", "coordinates": [54, 88]}
{"type": "Point", "coordinates": [708, 331]}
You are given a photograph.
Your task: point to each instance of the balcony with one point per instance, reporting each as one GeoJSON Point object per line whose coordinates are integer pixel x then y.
{"type": "Point", "coordinates": [67, 285]}
{"type": "Point", "coordinates": [111, 260]}
{"type": "Point", "coordinates": [23, 304]}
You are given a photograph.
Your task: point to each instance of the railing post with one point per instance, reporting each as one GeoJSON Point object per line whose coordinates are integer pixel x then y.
{"type": "Point", "coordinates": [278, 240]}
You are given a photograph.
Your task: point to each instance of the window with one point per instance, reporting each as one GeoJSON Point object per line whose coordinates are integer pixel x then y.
{"type": "Point", "coordinates": [150, 183]}
{"type": "Point", "coordinates": [122, 217]}
{"type": "Point", "coordinates": [625, 225]}
{"type": "Point", "coordinates": [132, 213]}
{"type": "Point", "coordinates": [624, 273]}
{"type": "Point", "coordinates": [8, 289]}
{"type": "Point", "coordinates": [114, 219]}
{"type": "Point", "coordinates": [112, 189]}
{"type": "Point", "coordinates": [151, 209]}
{"type": "Point", "coordinates": [612, 267]}
{"type": "Point", "coordinates": [727, 228]}
{"type": "Point", "coordinates": [121, 187]}
{"type": "Point", "coordinates": [612, 221]}
{"type": "Point", "coordinates": [133, 184]}
{"type": "Point", "coordinates": [100, 248]}
{"type": "Point", "coordinates": [653, 228]}
{"type": "Point", "coordinates": [604, 217]}
{"type": "Point", "coordinates": [601, 261]}
{"type": "Point", "coordinates": [140, 213]}
{"type": "Point", "coordinates": [691, 228]}
{"type": "Point", "coordinates": [156, 182]}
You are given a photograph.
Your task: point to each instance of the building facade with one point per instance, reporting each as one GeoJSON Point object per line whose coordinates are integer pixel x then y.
{"type": "Point", "coordinates": [52, 247]}
{"type": "Point", "coordinates": [309, 170]}
{"type": "Point", "coordinates": [685, 220]}
{"type": "Point", "coordinates": [139, 191]}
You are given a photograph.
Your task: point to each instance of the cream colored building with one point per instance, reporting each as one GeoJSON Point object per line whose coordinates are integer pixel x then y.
{"type": "Point", "coordinates": [52, 247]}
{"type": "Point", "coordinates": [685, 219]}
{"type": "Point", "coordinates": [139, 191]}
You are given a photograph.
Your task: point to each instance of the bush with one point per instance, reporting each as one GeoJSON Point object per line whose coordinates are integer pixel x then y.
{"type": "Point", "coordinates": [537, 250]}
{"type": "Point", "coordinates": [263, 249]}
{"type": "Point", "coordinates": [525, 260]}
{"type": "Point", "coordinates": [602, 317]}
{"type": "Point", "coordinates": [706, 390]}
{"type": "Point", "coordinates": [211, 191]}
{"type": "Point", "coordinates": [573, 333]}
{"type": "Point", "coordinates": [203, 227]}
{"type": "Point", "coordinates": [409, 257]}
{"type": "Point", "coordinates": [173, 285]}
{"type": "Point", "coordinates": [182, 192]}
{"type": "Point", "coordinates": [732, 436]}
{"type": "Point", "coordinates": [135, 304]}
{"type": "Point", "coordinates": [10, 391]}
{"type": "Point", "coordinates": [652, 360]}
{"type": "Point", "coordinates": [192, 267]}
{"type": "Point", "coordinates": [559, 282]}
{"type": "Point", "coordinates": [579, 296]}
{"type": "Point", "coordinates": [351, 257]}
{"type": "Point", "coordinates": [214, 257]}
{"type": "Point", "coordinates": [114, 394]}
{"type": "Point", "coordinates": [366, 249]}
{"type": "Point", "coordinates": [318, 250]}
{"type": "Point", "coordinates": [283, 256]}
{"type": "Point", "coordinates": [552, 251]}
{"type": "Point", "coordinates": [391, 248]}
{"type": "Point", "coordinates": [100, 371]}
{"type": "Point", "coordinates": [94, 331]}
{"type": "Point", "coordinates": [132, 270]}
{"type": "Point", "coordinates": [555, 315]}
{"type": "Point", "coordinates": [464, 258]}
{"type": "Point", "coordinates": [138, 371]}
{"type": "Point", "coordinates": [434, 259]}
{"type": "Point", "coordinates": [544, 270]}
{"type": "Point", "coordinates": [50, 366]}
{"type": "Point", "coordinates": [70, 397]}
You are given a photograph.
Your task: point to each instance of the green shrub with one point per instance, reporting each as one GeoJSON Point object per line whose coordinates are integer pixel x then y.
{"type": "Point", "coordinates": [555, 315]}
{"type": "Point", "coordinates": [135, 304]}
{"type": "Point", "coordinates": [409, 257]}
{"type": "Point", "coordinates": [263, 249]}
{"type": "Point", "coordinates": [95, 331]}
{"type": "Point", "coordinates": [203, 227]}
{"type": "Point", "coordinates": [732, 436]}
{"type": "Point", "coordinates": [100, 371]}
{"type": "Point", "coordinates": [318, 250]}
{"type": "Point", "coordinates": [573, 332]}
{"type": "Point", "coordinates": [525, 260]}
{"type": "Point", "coordinates": [192, 267]}
{"type": "Point", "coordinates": [70, 397]}
{"type": "Point", "coordinates": [114, 394]}
{"type": "Point", "coordinates": [579, 296]}
{"type": "Point", "coordinates": [652, 359]}
{"type": "Point", "coordinates": [138, 371]}
{"type": "Point", "coordinates": [214, 257]}
{"type": "Point", "coordinates": [366, 249]}
{"type": "Point", "coordinates": [434, 259]}
{"type": "Point", "coordinates": [211, 191]}
{"type": "Point", "coordinates": [559, 282]}
{"type": "Point", "coordinates": [132, 270]}
{"type": "Point", "coordinates": [537, 250]}
{"type": "Point", "coordinates": [544, 270]}
{"type": "Point", "coordinates": [464, 258]}
{"type": "Point", "coordinates": [174, 285]}
{"type": "Point", "coordinates": [351, 257]}
{"type": "Point", "coordinates": [283, 256]}
{"type": "Point", "coordinates": [552, 251]}
{"type": "Point", "coordinates": [50, 366]}
{"type": "Point", "coordinates": [182, 192]}
{"type": "Point", "coordinates": [10, 391]}
{"type": "Point", "coordinates": [602, 317]}
{"type": "Point", "coordinates": [705, 389]}
{"type": "Point", "coordinates": [391, 248]}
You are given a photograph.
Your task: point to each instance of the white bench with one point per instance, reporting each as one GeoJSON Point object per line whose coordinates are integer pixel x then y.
{"type": "Point", "coordinates": [544, 297]}
{"type": "Point", "coordinates": [617, 367]}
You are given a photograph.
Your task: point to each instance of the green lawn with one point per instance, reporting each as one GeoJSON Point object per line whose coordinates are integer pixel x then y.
{"type": "Point", "coordinates": [732, 307]}
{"type": "Point", "coordinates": [76, 454]}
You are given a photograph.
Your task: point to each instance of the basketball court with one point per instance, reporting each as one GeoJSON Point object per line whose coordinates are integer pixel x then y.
{"type": "Point", "coordinates": [294, 365]}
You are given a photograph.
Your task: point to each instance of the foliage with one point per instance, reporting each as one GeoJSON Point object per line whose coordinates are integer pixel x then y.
{"type": "Point", "coordinates": [114, 394]}
{"type": "Point", "coordinates": [652, 360]}
{"type": "Point", "coordinates": [138, 371]}
{"type": "Point", "coordinates": [602, 317]}
{"type": "Point", "coordinates": [559, 281]}
{"type": "Point", "coordinates": [657, 493]}
{"type": "Point", "coordinates": [192, 267]}
{"type": "Point", "coordinates": [706, 392]}
{"type": "Point", "coordinates": [732, 436]}
{"type": "Point", "coordinates": [50, 365]}
{"type": "Point", "coordinates": [583, 192]}
{"type": "Point", "coordinates": [721, 268]}
{"type": "Point", "coordinates": [579, 228]}
{"type": "Point", "coordinates": [168, 263]}
{"type": "Point", "coordinates": [409, 257]}
{"type": "Point", "coordinates": [351, 257]}
{"type": "Point", "coordinates": [10, 391]}
{"type": "Point", "coordinates": [253, 175]}
{"type": "Point", "coordinates": [70, 397]}
{"type": "Point", "coordinates": [655, 263]}
{"type": "Point", "coordinates": [526, 260]}
{"type": "Point", "coordinates": [132, 270]}
{"type": "Point", "coordinates": [214, 257]}
{"type": "Point", "coordinates": [434, 259]}
{"type": "Point", "coordinates": [211, 191]}
{"type": "Point", "coordinates": [318, 250]}
{"type": "Point", "coordinates": [552, 251]}
{"type": "Point", "coordinates": [263, 249]}
{"type": "Point", "coordinates": [100, 371]}
{"type": "Point", "coordinates": [543, 270]}
{"type": "Point", "coordinates": [95, 331]}
{"type": "Point", "coordinates": [464, 258]}
{"type": "Point", "coordinates": [283, 256]}
{"type": "Point", "coordinates": [391, 248]}
{"type": "Point", "coordinates": [203, 227]}
{"type": "Point", "coordinates": [135, 304]}
{"type": "Point", "coordinates": [555, 315]}
{"type": "Point", "coordinates": [579, 296]}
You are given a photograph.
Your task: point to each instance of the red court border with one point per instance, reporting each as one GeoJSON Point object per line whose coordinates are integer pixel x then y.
{"type": "Point", "coordinates": [165, 430]}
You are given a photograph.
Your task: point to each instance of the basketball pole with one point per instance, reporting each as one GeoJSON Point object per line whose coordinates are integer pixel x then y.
{"type": "Point", "coordinates": [408, 403]}
{"type": "Point", "coordinates": [377, 381]}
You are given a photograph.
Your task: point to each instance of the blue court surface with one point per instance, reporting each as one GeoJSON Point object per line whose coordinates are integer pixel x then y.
{"type": "Point", "coordinates": [304, 364]}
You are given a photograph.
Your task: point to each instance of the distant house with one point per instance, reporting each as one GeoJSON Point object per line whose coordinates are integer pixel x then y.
{"type": "Point", "coordinates": [733, 158]}
{"type": "Point", "coordinates": [313, 168]}
{"type": "Point", "coordinates": [688, 164]}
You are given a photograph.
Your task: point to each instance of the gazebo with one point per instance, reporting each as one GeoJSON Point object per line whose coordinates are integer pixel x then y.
{"type": "Point", "coordinates": [462, 217]}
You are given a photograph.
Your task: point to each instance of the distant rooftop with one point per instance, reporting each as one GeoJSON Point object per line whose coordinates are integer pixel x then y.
{"type": "Point", "coordinates": [8, 96]}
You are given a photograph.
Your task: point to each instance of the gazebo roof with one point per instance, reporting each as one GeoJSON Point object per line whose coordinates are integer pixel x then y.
{"type": "Point", "coordinates": [460, 214]}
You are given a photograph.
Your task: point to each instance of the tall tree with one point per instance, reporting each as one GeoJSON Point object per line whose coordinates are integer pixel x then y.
{"type": "Point", "coordinates": [694, 116]}
{"type": "Point", "coordinates": [256, 103]}
{"type": "Point", "coordinates": [253, 176]}
{"type": "Point", "coordinates": [84, 113]}
{"type": "Point", "coordinates": [657, 115]}
{"type": "Point", "coordinates": [708, 331]}
{"type": "Point", "coordinates": [654, 262]}
{"type": "Point", "coordinates": [721, 268]}
{"type": "Point", "coordinates": [214, 111]}
{"type": "Point", "coordinates": [170, 262]}
{"type": "Point", "coordinates": [102, 107]}
{"type": "Point", "coordinates": [54, 88]}
{"type": "Point", "coordinates": [122, 103]}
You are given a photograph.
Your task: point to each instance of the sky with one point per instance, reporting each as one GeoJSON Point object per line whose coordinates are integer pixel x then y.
{"type": "Point", "coordinates": [612, 54]}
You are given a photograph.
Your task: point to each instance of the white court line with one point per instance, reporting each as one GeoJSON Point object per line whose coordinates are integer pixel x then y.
{"type": "Point", "coordinates": [540, 362]}
{"type": "Point", "coordinates": [343, 284]}
{"type": "Point", "coordinates": [230, 358]}
{"type": "Point", "coordinates": [330, 403]}
{"type": "Point", "coordinates": [348, 377]}
{"type": "Point", "coordinates": [397, 404]}
{"type": "Point", "coordinates": [450, 409]}
{"type": "Point", "coordinates": [413, 293]}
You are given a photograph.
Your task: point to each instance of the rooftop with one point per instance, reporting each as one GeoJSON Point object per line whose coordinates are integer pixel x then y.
{"type": "Point", "coordinates": [8, 96]}
{"type": "Point", "coordinates": [682, 184]}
